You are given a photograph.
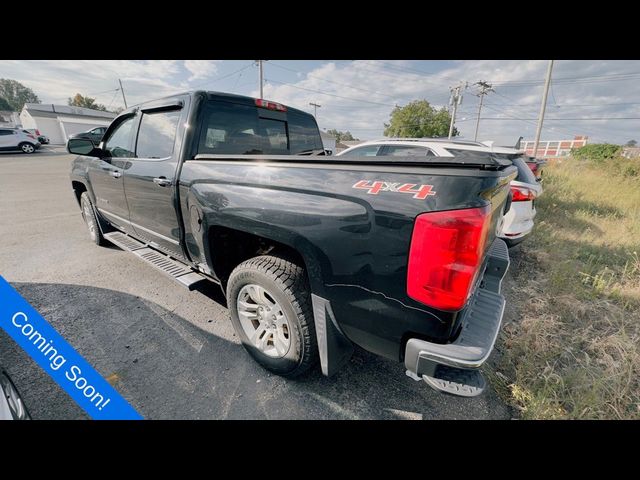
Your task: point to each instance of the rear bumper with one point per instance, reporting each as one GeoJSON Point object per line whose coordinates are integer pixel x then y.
{"type": "Point", "coordinates": [480, 325]}
{"type": "Point", "coordinates": [519, 220]}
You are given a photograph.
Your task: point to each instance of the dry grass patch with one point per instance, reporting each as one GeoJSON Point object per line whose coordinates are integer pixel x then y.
{"type": "Point", "coordinates": [573, 350]}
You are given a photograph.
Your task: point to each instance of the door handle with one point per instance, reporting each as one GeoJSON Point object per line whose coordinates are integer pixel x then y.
{"type": "Point", "coordinates": [115, 174]}
{"type": "Point", "coordinates": [162, 181]}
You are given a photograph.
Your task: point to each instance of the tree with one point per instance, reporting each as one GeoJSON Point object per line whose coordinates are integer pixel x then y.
{"type": "Point", "coordinates": [631, 143]}
{"type": "Point", "coordinates": [4, 105]}
{"type": "Point", "coordinates": [86, 102]}
{"type": "Point", "coordinates": [342, 135]}
{"type": "Point", "coordinates": [16, 94]}
{"type": "Point", "coordinates": [418, 119]}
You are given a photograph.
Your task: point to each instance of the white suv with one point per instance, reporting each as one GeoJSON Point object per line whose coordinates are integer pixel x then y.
{"type": "Point", "coordinates": [518, 220]}
{"type": "Point", "coordinates": [16, 139]}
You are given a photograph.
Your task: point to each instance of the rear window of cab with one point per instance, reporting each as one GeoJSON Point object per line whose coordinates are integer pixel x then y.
{"type": "Point", "coordinates": [238, 129]}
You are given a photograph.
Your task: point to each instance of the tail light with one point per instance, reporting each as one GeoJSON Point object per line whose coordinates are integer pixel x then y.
{"type": "Point", "coordinates": [445, 256]}
{"type": "Point", "coordinates": [270, 105]}
{"type": "Point", "coordinates": [522, 194]}
{"type": "Point", "coordinates": [533, 166]}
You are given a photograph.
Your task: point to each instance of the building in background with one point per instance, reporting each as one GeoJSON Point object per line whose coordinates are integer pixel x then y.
{"type": "Point", "coordinates": [59, 121]}
{"type": "Point", "coordinates": [9, 119]}
{"type": "Point", "coordinates": [554, 148]}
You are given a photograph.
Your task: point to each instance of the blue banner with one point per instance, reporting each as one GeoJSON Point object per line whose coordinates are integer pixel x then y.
{"type": "Point", "coordinates": [59, 359]}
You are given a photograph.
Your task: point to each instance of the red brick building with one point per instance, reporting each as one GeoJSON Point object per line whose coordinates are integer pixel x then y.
{"type": "Point", "coordinates": [554, 148]}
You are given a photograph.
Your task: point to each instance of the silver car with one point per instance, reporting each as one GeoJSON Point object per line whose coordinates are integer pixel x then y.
{"type": "Point", "coordinates": [16, 139]}
{"type": "Point", "coordinates": [11, 405]}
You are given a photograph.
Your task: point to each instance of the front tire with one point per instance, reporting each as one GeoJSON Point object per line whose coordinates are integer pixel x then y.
{"type": "Point", "coordinates": [26, 147]}
{"type": "Point", "coordinates": [270, 304]}
{"type": "Point", "coordinates": [89, 216]}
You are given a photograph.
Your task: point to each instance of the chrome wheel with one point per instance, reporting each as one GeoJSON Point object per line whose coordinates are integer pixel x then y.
{"type": "Point", "coordinates": [27, 148]}
{"type": "Point", "coordinates": [87, 214]}
{"type": "Point", "coordinates": [263, 321]}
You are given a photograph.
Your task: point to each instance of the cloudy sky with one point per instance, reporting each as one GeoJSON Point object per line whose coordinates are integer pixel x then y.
{"type": "Point", "coordinates": [600, 99]}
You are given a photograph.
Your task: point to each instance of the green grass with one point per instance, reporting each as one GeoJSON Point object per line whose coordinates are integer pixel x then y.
{"type": "Point", "coordinates": [574, 349]}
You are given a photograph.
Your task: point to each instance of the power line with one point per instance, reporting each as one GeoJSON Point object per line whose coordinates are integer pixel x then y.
{"type": "Point", "coordinates": [112, 99]}
{"type": "Point", "coordinates": [566, 81]}
{"type": "Point", "coordinates": [242, 69]}
{"type": "Point", "coordinates": [106, 91]}
{"type": "Point", "coordinates": [333, 81]}
{"type": "Point", "coordinates": [564, 119]}
{"type": "Point", "coordinates": [330, 94]}
{"type": "Point", "coordinates": [530, 121]}
{"type": "Point", "coordinates": [570, 105]}
{"type": "Point", "coordinates": [580, 78]}
{"type": "Point", "coordinates": [395, 75]}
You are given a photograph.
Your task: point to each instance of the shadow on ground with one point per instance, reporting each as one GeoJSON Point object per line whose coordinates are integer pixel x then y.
{"type": "Point", "coordinates": [169, 368]}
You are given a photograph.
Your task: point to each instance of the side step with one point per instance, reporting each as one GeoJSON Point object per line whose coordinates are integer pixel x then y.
{"type": "Point", "coordinates": [456, 381]}
{"type": "Point", "coordinates": [175, 269]}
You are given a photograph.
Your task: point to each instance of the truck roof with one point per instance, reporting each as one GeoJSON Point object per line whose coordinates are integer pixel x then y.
{"type": "Point", "coordinates": [212, 95]}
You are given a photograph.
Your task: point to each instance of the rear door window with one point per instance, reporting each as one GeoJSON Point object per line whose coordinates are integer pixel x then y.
{"type": "Point", "coordinates": [157, 134]}
{"type": "Point", "coordinates": [366, 151]}
{"type": "Point", "coordinates": [406, 151]}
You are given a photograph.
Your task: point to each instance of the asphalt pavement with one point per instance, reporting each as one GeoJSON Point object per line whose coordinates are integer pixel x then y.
{"type": "Point", "coordinates": [170, 352]}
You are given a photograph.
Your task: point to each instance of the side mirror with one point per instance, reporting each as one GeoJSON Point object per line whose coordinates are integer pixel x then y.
{"type": "Point", "coordinates": [83, 146]}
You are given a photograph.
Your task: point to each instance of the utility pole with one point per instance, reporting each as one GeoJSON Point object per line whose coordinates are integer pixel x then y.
{"type": "Point", "coordinates": [543, 107]}
{"type": "Point", "coordinates": [261, 70]}
{"type": "Point", "coordinates": [315, 109]}
{"type": "Point", "coordinates": [455, 100]}
{"type": "Point", "coordinates": [485, 88]}
{"type": "Point", "coordinates": [123, 97]}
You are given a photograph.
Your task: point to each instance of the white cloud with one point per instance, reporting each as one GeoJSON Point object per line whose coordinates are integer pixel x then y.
{"type": "Point", "coordinates": [359, 95]}
{"type": "Point", "coordinates": [200, 68]}
{"type": "Point", "coordinates": [376, 86]}
{"type": "Point", "coordinates": [56, 80]}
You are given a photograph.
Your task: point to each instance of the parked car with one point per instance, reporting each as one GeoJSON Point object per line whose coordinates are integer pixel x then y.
{"type": "Point", "coordinates": [43, 139]}
{"type": "Point", "coordinates": [11, 405]}
{"type": "Point", "coordinates": [95, 134]}
{"type": "Point", "coordinates": [518, 220]}
{"type": "Point", "coordinates": [536, 165]}
{"type": "Point", "coordinates": [315, 253]}
{"type": "Point", "coordinates": [15, 139]}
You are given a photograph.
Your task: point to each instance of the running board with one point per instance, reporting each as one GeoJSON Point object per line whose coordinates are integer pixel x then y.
{"type": "Point", "coordinates": [175, 269]}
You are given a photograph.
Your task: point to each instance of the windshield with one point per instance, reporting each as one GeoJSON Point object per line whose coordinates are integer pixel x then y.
{"type": "Point", "coordinates": [237, 129]}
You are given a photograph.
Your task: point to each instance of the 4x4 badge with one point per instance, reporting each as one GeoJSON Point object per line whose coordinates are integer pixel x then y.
{"type": "Point", "coordinates": [373, 188]}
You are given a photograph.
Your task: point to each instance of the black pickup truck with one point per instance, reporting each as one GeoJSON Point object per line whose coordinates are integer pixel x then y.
{"type": "Point", "coordinates": [314, 253]}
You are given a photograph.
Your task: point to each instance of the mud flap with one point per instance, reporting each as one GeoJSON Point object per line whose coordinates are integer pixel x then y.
{"type": "Point", "coordinates": [335, 349]}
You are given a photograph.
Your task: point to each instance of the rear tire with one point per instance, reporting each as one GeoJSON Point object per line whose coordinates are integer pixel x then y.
{"type": "Point", "coordinates": [281, 336]}
{"type": "Point", "coordinates": [27, 147]}
{"type": "Point", "coordinates": [89, 216]}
